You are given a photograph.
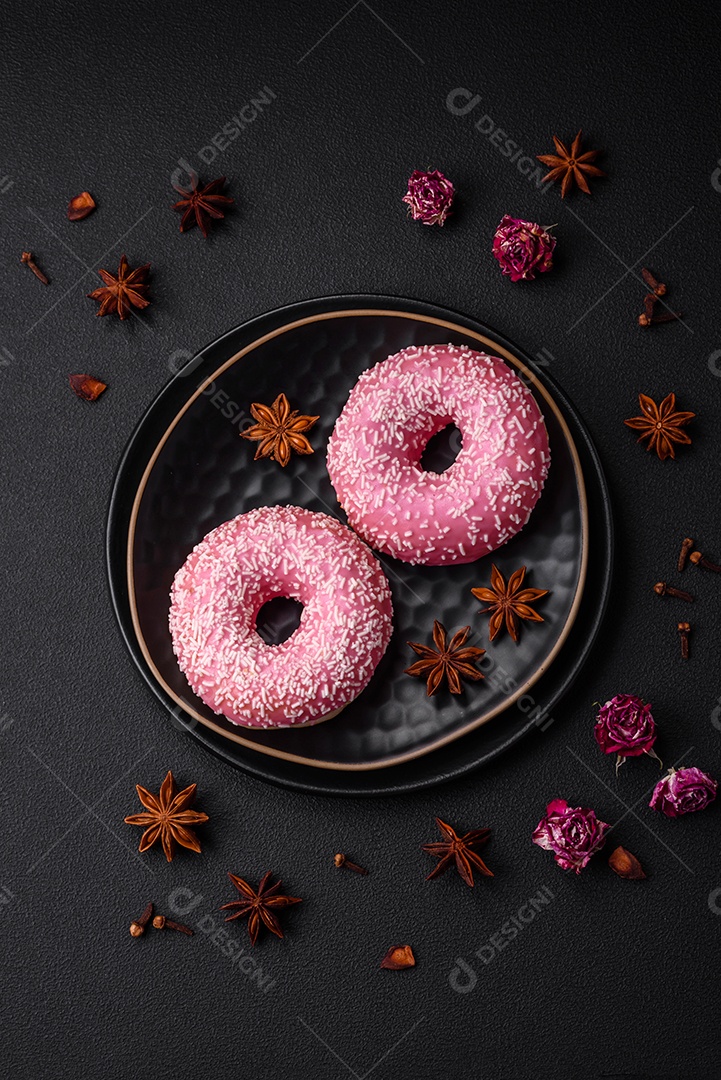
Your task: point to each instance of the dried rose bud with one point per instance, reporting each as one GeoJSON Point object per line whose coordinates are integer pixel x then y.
{"type": "Point", "coordinates": [572, 833]}
{"type": "Point", "coordinates": [683, 791]}
{"type": "Point", "coordinates": [429, 196]}
{"type": "Point", "coordinates": [398, 957]}
{"type": "Point", "coordinates": [523, 248]}
{"type": "Point", "coordinates": [626, 865]}
{"type": "Point", "coordinates": [625, 727]}
{"type": "Point", "coordinates": [80, 206]}
{"type": "Point", "coordinates": [86, 387]}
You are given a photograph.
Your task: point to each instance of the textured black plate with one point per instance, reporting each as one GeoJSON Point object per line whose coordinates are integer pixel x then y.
{"type": "Point", "coordinates": [186, 470]}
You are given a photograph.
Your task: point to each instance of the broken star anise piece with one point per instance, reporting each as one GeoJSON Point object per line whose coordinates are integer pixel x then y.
{"type": "Point", "coordinates": [508, 602]}
{"type": "Point", "coordinates": [201, 205]}
{"type": "Point", "coordinates": [86, 387]}
{"type": "Point", "coordinates": [458, 850]}
{"type": "Point", "coordinates": [661, 425]}
{"type": "Point", "coordinates": [450, 660]}
{"type": "Point", "coordinates": [570, 166]}
{"type": "Point", "coordinates": [80, 206]}
{"type": "Point", "coordinates": [121, 293]}
{"type": "Point", "coordinates": [258, 906]}
{"type": "Point", "coordinates": [168, 817]}
{"type": "Point", "coordinates": [626, 865]}
{"type": "Point", "coordinates": [398, 957]}
{"type": "Point", "coordinates": [278, 431]}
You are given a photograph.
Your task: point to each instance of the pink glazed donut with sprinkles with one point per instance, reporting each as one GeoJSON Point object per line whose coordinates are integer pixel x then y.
{"type": "Point", "coordinates": [344, 629]}
{"type": "Point", "coordinates": [483, 499]}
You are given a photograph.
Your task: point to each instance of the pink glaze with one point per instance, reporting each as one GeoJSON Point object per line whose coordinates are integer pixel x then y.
{"type": "Point", "coordinates": [487, 494]}
{"type": "Point", "coordinates": [344, 629]}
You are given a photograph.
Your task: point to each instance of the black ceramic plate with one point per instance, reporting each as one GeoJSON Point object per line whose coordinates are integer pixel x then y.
{"type": "Point", "coordinates": [186, 470]}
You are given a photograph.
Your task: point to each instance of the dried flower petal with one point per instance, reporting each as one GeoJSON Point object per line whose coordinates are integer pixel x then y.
{"type": "Point", "coordinates": [80, 206]}
{"type": "Point", "coordinates": [625, 864]}
{"type": "Point", "coordinates": [86, 387]}
{"type": "Point", "coordinates": [398, 957]}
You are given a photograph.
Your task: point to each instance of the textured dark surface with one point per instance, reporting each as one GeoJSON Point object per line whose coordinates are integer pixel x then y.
{"type": "Point", "coordinates": [205, 475]}
{"type": "Point", "coordinates": [611, 978]}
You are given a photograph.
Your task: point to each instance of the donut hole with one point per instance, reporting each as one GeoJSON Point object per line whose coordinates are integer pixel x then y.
{"type": "Point", "coordinates": [442, 449]}
{"type": "Point", "coordinates": [278, 619]}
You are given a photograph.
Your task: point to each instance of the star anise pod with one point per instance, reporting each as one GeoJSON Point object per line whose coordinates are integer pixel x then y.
{"type": "Point", "coordinates": [459, 850]}
{"type": "Point", "coordinates": [259, 906]}
{"type": "Point", "coordinates": [201, 205]}
{"type": "Point", "coordinates": [569, 166]}
{"type": "Point", "coordinates": [279, 431]}
{"type": "Point", "coordinates": [121, 293]}
{"type": "Point", "coordinates": [661, 425]}
{"type": "Point", "coordinates": [508, 602]}
{"type": "Point", "coordinates": [167, 817]}
{"type": "Point", "coordinates": [451, 661]}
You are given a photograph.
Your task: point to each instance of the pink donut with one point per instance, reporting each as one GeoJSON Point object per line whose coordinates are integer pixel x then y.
{"type": "Point", "coordinates": [487, 494]}
{"type": "Point", "coordinates": [344, 629]}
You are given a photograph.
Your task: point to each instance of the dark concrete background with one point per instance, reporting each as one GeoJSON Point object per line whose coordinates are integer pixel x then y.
{"type": "Point", "coordinates": [610, 978]}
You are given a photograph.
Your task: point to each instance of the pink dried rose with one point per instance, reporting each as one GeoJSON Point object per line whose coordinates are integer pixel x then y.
{"type": "Point", "coordinates": [573, 834]}
{"type": "Point", "coordinates": [522, 248]}
{"type": "Point", "coordinates": [429, 196]}
{"type": "Point", "coordinates": [625, 727]}
{"type": "Point", "coordinates": [682, 791]}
